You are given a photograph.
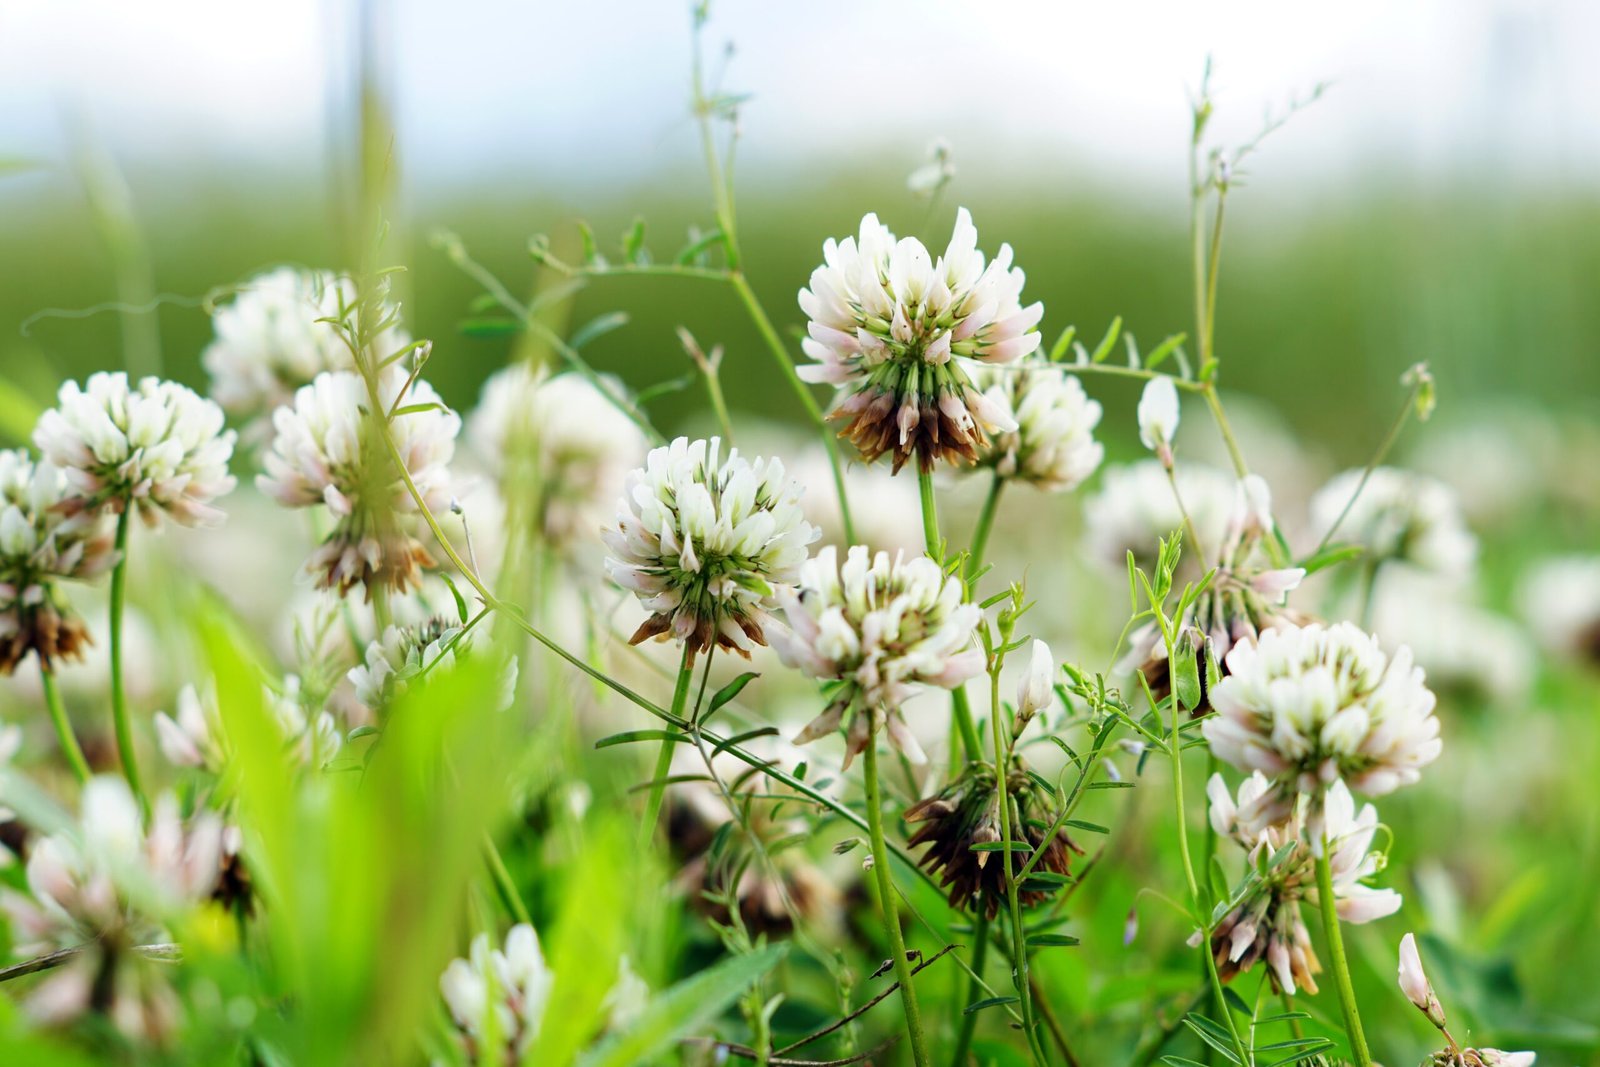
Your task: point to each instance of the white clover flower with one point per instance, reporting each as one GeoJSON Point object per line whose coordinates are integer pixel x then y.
{"type": "Point", "coordinates": [325, 452]}
{"type": "Point", "coordinates": [1158, 416]}
{"type": "Point", "coordinates": [882, 627]}
{"type": "Point", "coordinates": [1035, 689]}
{"type": "Point", "coordinates": [155, 446]}
{"type": "Point", "coordinates": [704, 543]}
{"type": "Point", "coordinates": [189, 739]}
{"type": "Point", "coordinates": [107, 887]}
{"type": "Point", "coordinates": [884, 510]}
{"type": "Point", "coordinates": [899, 331]}
{"type": "Point", "coordinates": [559, 437]}
{"type": "Point", "coordinates": [275, 337]}
{"type": "Point", "coordinates": [1398, 516]}
{"type": "Point", "coordinates": [1465, 648]}
{"type": "Point", "coordinates": [41, 544]}
{"type": "Point", "coordinates": [406, 653]}
{"type": "Point", "coordinates": [509, 986]}
{"type": "Point", "coordinates": [1312, 705]}
{"type": "Point", "coordinates": [1053, 445]}
{"type": "Point", "coordinates": [194, 737]}
{"type": "Point", "coordinates": [1560, 599]}
{"type": "Point", "coordinates": [1135, 508]}
{"type": "Point", "coordinates": [1282, 836]}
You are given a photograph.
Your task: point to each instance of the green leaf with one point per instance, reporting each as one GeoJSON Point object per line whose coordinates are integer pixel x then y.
{"type": "Point", "coordinates": [690, 1005]}
{"type": "Point", "coordinates": [1104, 348]}
{"type": "Point", "coordinates": [1212, 1034]}
{"type": "Point", "coordinates": [1091, 827]}
{"type": "Point", "coordinates": [461, 601]}
{"type": "Point", "coordinates": [1058, 351]}
{"type": "Point", "coordinates": [629, 737]}
{"type": "Point", "coordinates": [1163, 350]}
{"type": "Point", "coordinates": [989, 1002]}
{"type": "Point", "coordinates": [1001, 846]}
{"type": "Point", "coordinates": [1051, 940]}
{"type": "Point", "coordinates": [1329, 557]}
{"type": "Point", "coordinates": [633, 241]}
{"type": "Point", "coordinates": [698, 247]}
{"type": "Point", "coordinates": [597, 327]}
{"type": "Point", "coordinates": [729, 692]}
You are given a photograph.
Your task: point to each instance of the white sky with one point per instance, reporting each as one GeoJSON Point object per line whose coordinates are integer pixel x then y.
{"type": "Point", "coordinates": [585, 93]}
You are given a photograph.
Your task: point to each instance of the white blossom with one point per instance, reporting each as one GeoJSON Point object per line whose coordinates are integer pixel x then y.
{"type": "Point", "coordinates": [324, 453]}
{"type": "Point", "coordinates": [883, 627]}
{"type": "Point", "coordinates": [108, 885]}
{"type": "Point", "coordinates": [1398, 516]}
{"type": "Point", "coordinates": [155, 446]}
{"type": "Point", "coordinates": [1053, 445]}
{"type": "Point", "coordinates": [1465, 648]}
{"type": "Point", "coordinates": [706, 542]}
{"type": "Point", "coordinates": [560, 437]}
{"type": "Point", "coordinates": [1135, 508]}
{"type": "Point", "coordinates": [899, 330]}
{"type": "Point", "coordinates": [1158, 416]}
{"type": "Point", "coordinates": [1035, 690]}
{"type": "Point", "coordinates": [1560, 599]}
{"type": "Point", "coordinates": [41, 543]}
{"type": "Point", "coordinates": [1312, 705]}
{"type": "Point", "coordinates": [403, 655]}
{"type": "Point", "coordinates": [510, 986]}
{"type": "Point", "coordinates": [279, 332]}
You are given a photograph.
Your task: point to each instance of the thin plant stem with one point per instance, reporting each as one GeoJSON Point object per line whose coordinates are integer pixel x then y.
{"type": "Point", "coordinates": [1019, 948]}
{"type": "Point", "coordinates": [1183, 510]}
{"type": "Point", "coordinates": [1377, 458]}
{"type": "Point", "coordinates": [969, 1020]}
{"type": "Point", "coordinates": [960, 707]}
{"type": "Point", "coordinates": [119, 695]}
{"type": "Point", "coordinates": [930, 512]}
{"type": "Point", "coordinates": [1235, 455]}
{"type": "Point", "coordinates": [1336, 958]}
{"type": "Point", "coordinates": [887, 903]}
{"type": "Point", "coordinates": [58, 716]}
{"type": "Point", "coordinates": [980, 532]}
{"type": "Point", "coordinates": [504, 885]}
{"type": "Point", "coordinates": [658, 784]}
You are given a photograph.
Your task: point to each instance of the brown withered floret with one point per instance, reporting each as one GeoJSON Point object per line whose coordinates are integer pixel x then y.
{"type": "Point", "coordinates": [967, 813]}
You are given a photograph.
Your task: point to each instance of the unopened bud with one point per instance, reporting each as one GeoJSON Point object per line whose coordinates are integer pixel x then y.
{"type": "Point", "coordinates": [1414, 983]}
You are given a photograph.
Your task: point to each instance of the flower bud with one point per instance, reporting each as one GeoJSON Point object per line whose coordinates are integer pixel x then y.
{"type": "Point", "coordinates": [1158, 417]}
{"type": "Point", "coordinates": [1414, 984]}
{"type": "Point", "coordinates": [1034, 690]}
{"type": "Point", "coordinates": [1187, 656]}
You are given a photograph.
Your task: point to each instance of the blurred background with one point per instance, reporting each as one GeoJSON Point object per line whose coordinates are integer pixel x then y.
{"type": "Point", "coordinates": [1438, 202]}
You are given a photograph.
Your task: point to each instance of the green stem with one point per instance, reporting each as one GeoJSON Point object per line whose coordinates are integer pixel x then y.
{"type": "Point", "coordinates": [960, 707]}
{"type": "Point", "coordinates": [119, 695]}
{"type": "Point", "coordinates": [1336, 959]}
{"type": "Point", "coordinates": [658, 784]}
{"type": "Point", "coordinates": [930, 513]}
{"type": "Point", "coordinates": [969, 1020]}
{"type": "Point", "coordinates": [980, 533]}
{"type": "Point", "coordinates": [886, 902]}
{"type": "Point", "coordinates": [1235, 455]}
{"type": "Point", "coordinates": [780, 355]}
{"type": "Point", "coordinates": [504, 885]}
{"type": "Point", "coordinates": [58, 715]}
{"type": "Point", "coordinates": [1019, 948]}
{"type": "Point", "coordinates": [1377, 458]}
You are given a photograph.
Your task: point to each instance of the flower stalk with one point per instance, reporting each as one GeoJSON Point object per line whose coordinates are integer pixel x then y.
{"type": "Point", "coordinates": [1337, 960]}
{"type": "Point", "coordinates": [886, 903]}
{"type": "Point", "coordinates": [119, 694]}
{"type": "Point", "coordinates": [658, 782]}
{"type": "Point", "coordinates": [58, 715]}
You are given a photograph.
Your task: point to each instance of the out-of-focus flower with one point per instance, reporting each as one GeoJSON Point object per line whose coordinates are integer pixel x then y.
{"type": "Point", "coordinates": [155, 446]}
{"type": "Point", "coordinates": [1135, 508]}
{"type": "Point", "coordinates": [506, 988]}
{"type": "Point", "coordinates": [935, 174]}
{"type": "Point", "coordinates": [325, 452]}
{"type": "Point", "coordinates": [40, 544]}
{"type": "Point", "coordinates": [705, 543]}
{"type": "Point", "coordinates": [1158, 417]}
{"type": "Point", "coordinates": [967, 813]}
{"type": "Point", "coordinates": [880, 627]}
{"type": "Point", "coordinates": [1415, 985]}
{"type": "Point", "coordinates": [1053, 446]}
{"type": "Point", "coordinates": [898, 330]}
{"type": "Point", "coordinates": [1398, 516]}
{"type": "Point", "coordinates": [1282, 837]}
{"type": "Point", "coordinates": [1560, 598]}
{"type": "Point", "coordinates": [885, 510]}
{"type": "Point", "coordinates": [279, 332]}
{"type": "Point", "coordinates": [188, 739]}
{"type": "Point", "coordinates": [560, 439]}
{"type": "Point", "coordinates": [108, 887]}
{"type": "Point", "coordinates": [1466, 649]}
{"type": "Point", "coordinates": [1310, 706]}
{"type": "Point", "coordinates": [194, 738]}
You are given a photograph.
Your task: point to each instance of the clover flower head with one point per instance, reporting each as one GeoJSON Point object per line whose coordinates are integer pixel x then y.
{"type": "Point", "coordinates": [1135, 508]}
{"type": "Point", "coordinates": [1312, 705]}
{"type": "Point", "coordinates": [1398, 516]}
{"type": "Point", "coordinates": [1282, 835]}
{"type": "Point", "coordinates": [110, 886]}
{"type": "Point", "coordinates": [878, 627]}
{"type": "Point", "coordinates": [193, 737]}
{"type": "Point", "coordinates": [399, 656]}
{"type": "Point", "coordinates": [278, 333]}
{"type": "Point", "coordinates": [155, 446]}
{"type": "Point", "coordinates": [561, 434]}
{"type": "Point", "coordinates": [325, 452]}
{"type": "Point", "coordinates": [509, 986]}
{"type": "Point", "coordinates": [1560, 599]}
{"type": "Point", "coordinates": [706, 542]}
{"type": "Point", "coordinates": [899, 331]}
{"type": "Point", "coordinates": [43, 542]}
{"type": "Point", "coordinates": [1053, 446]}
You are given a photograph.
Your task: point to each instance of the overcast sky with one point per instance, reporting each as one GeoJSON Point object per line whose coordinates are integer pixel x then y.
{"type": "Point", "coordinates": [594, 92]}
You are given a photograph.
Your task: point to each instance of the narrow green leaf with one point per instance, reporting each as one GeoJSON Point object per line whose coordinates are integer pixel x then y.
{"type": "Point", "coordinates": [1051, 941]}
{"type": "Point", "coordinates": [729, 692]}
{"type": "Point", "coordinates": [988, 1002]}
{"type": "Point", "coordinates": [1104, 348]}
{"type": "Point", "coordinates": [597, 327]}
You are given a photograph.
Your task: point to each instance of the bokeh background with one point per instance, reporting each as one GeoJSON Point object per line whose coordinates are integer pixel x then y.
{"type": "Point", "coordinates": [1438, 203]}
